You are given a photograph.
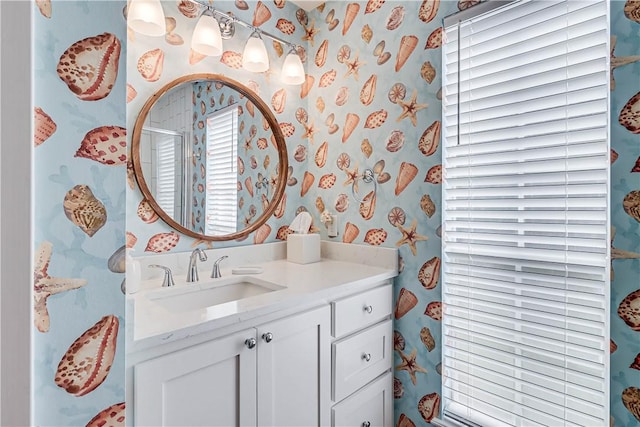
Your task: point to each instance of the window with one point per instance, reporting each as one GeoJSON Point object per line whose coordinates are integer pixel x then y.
{"type": "Point", "coordinates": [526, 214]}
{"type": "Point", "coordinates": [222, 170]}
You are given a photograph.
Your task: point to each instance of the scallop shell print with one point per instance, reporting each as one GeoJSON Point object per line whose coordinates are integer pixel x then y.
{"type": "Point", "coordinates": [106, 145]}
{"type": "Point", "coordinates": [84, 209]}
{"type": "Point", "coordinates": [87, 362]}
{"type": "Point", "coordinates": [89, 67]}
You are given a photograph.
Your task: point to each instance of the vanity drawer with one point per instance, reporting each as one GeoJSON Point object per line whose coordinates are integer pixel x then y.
{"type": "Point", "coordinates": [361, 358]}
{"type": "Point", "coordinates": [372, 406]}
{"type": "Point", "coordinates": [362, 310]}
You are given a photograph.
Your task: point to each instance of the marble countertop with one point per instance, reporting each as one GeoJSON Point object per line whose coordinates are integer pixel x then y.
{"type": "Point", "coordinates": [343, 270]}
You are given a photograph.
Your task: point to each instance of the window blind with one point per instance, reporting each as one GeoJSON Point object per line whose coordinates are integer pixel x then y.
{"type": "Point", "coordinates": [222, 171]}
{"type": "Point", "coordinates": [526, 215]}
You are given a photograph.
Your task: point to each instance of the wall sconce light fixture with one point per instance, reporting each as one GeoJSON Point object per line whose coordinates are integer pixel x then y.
{"type": "Point", "coordinates": [292, 69]}
{"type": "Point", "coordinates": [147, 17]}
{"type": "Point", "coordinates": [255, 57]}
{"type": "Point", "coordinates": [206, 38]}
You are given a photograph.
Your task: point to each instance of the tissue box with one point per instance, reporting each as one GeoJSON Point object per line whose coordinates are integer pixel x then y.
{"type": "Point", "coordinates": [303, 248]}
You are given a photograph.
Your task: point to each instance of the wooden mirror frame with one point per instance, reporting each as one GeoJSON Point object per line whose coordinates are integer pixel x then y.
{"type": "Point", "coordinates": [283, 161]}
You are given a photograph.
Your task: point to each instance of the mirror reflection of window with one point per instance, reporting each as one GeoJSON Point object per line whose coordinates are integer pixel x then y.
{"type": "Point", "coordinates": [222, 171]}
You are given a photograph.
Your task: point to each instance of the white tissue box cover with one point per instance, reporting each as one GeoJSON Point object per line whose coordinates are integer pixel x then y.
{"type": "Point", "coordinates": [303, 248]}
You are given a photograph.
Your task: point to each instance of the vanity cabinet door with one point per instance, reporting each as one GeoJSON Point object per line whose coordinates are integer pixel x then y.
{"type": "Point", "coordinates": [294, 370]}
{"type": "Point", "coordinates": [211, 384]}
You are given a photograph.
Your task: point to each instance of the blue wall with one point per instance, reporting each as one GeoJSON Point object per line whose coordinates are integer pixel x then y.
{"type": "Point", "coordinates": [78, 252]}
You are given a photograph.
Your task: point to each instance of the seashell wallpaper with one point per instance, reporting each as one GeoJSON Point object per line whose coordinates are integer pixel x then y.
{"type": "Point", "coordinates": [148, 61]}
{"type": "Point", "coordinates": [367, 78]}
{"type": "Point", "coordinates": [79, 157]}
{"type": "Point", "coordinates": [371, 101]}
{"type": "Point", "coordinates": [625, 212]}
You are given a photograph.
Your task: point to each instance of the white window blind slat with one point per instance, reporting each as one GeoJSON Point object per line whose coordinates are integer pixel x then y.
{"type": "Point", "coordinates": [222, 174]}
{"type": "Point", "coordinates": [525, 264]}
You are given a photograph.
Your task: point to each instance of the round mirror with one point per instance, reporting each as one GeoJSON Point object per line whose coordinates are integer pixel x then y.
{"type": "Point", "coordinates": [209, 157]}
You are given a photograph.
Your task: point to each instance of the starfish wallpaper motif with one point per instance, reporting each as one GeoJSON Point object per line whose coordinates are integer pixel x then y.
{"type": "Point", "coordinates": [410, 237]}
{"type": "Point", "coordinates": [410, 365]}
{"type": "Point", "coordinates": [44, 285]}
{"type": "Point", "coordinates": [410, 108]}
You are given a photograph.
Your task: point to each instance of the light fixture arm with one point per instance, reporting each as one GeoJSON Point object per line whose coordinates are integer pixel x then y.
{"type": "Point", "coordinates": [228, 32]}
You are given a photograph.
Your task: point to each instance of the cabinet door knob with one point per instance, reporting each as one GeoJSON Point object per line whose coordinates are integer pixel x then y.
{"type": "Point", "coordinates": [267, 336]}
{"type": "Point", "coordinates": [368, 309]}
{"type": "Point", "coordinates": [366, 357]}
{"type": "Point", "coordinates": [250, 342]}
{"type": "Point", "coordinates": [366, 424]}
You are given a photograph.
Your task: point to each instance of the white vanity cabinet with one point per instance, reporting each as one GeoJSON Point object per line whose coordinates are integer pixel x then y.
{"type": "Point", "coordinates": [209, 384]}
{"type": "Point", "coordinates": [276, 373]}
{"type": "Point", "coordinates": [294, 380]}
{"type": "Point", "coordinates": [362, 390]}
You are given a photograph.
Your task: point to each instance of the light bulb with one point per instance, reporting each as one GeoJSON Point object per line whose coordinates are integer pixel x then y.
{"type": "Point", "coordinates": [206, 38]}
{"type": "Point", "coordinates": [255, 57]}
{"type": "Point", "coordinates": [292, 69]}
{"type": "Point", "coordinates": [146, 17]}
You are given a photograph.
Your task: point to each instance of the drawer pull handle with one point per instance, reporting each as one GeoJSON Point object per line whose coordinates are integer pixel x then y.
{"type": "Point", "coordinates": [366, 357]}
{"type": "Point", "coordinates": [250, 342]}
{"type": "Point", "coordinates": [267, 337]}
{"type": "Point", "coordinates": [366, 424]}
{"type": "Point", "coordinates": [368, 309]}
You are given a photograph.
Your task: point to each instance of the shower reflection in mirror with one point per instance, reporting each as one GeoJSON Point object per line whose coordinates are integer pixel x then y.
{"type": "Point", "coordinates": [170, 161]}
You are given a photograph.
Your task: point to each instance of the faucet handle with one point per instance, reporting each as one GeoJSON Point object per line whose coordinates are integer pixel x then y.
{"type": "Point", "coordinates": [215, 273]}
{"type": "Point", "coordinates": [168, 277]}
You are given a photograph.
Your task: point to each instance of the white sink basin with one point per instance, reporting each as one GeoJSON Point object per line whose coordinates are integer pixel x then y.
{"type": "Point", "coordinates": [214, 292]}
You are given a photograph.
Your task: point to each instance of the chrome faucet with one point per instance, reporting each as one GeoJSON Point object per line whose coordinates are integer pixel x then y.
{"type": "Point", "coordinates": [192, 270]}
{"type": "Point", "coordinates": [215, 273]}
{"type": "Point", "coordinates": [168, 277]}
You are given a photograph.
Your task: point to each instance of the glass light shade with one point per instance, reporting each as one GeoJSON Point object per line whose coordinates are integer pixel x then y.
{"type": "Point", "coordinates": [292, 70]}
{"type": "Point", "coordinates": [146, 17]}
{"type": "Point", "coordinates": [206, 38]}
{"type": "Point", "coordinates": [255, 57]}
